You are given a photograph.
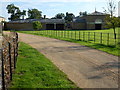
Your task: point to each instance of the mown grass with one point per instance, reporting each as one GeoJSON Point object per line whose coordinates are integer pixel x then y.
{"type": "Point", "coordinates": [77, 36]}
{"type": "Point", "coordinates": [34, 70]}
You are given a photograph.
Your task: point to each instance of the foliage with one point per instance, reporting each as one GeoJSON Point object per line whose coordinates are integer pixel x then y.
{"type": "Point", "coordinates": [37, 25]}
{"type": "Point", "coordinates": [60, 16]}
{"type": "Point", "coordinates": [34, 14]}
{"type": "Point", "coordinates": [69, 17]}
{"type": "Point", "coordinates": [15, 12]}
{"type": "Point", "coordinates": [83, 13]}
{"type": "Point", "coordinates": [111, 20]}
{"type": "Point", "coordinates": [23, 13]}
{"type": "Point", "coordinates": [34, 70]}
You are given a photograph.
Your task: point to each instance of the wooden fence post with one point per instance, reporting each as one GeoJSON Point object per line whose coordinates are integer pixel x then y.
{"type": "Point", "coordinates": [9, 46]}
{"type": "Point", "coordinates": [94, 37]}
{"type": "Point", "coordinates": [75, 34]}
{"type": "Point", "coordinates": [68, 33]}
{"type": "Point", "coordinates": [88, 36]}
{"type": "Point", "coordinates": [108, 39]}
{"type": "Point", "coordinates": [83, 36]}
{"type": "Point", "coordinates": [3, 75]}
{"type": "Point", "coordinates": [100, 38]}
{"type": "Point", "coordinates": [79, 35]}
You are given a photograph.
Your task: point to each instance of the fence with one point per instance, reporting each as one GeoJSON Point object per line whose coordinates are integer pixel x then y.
{"type": "Point", "coordinates": [9, 57]}
{"type": "Point", "coordinates": [93, 37]}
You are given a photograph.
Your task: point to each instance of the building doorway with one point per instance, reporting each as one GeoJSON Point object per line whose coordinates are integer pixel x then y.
{"type": "Point", "coordinates": [98, 26]}
{"type": "Point", "coordinates": [60, 26]}
{"type": "Point", "coordinates": [50, 26]}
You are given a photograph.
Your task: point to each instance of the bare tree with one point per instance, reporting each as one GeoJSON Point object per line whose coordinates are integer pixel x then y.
{"type": "Point", "coordinates": [111, 20]}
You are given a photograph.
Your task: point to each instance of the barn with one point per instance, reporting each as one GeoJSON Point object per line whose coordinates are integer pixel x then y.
{"type": "Point", "coordinates": [53, 24]}
{"type": "Point", "coordinates": [94, 21]}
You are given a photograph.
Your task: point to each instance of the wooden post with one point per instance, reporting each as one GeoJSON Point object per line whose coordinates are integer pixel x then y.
{"type": "Point", "coordinates": [3, 75]}
{"type": "Point", "coordinates": [75, 35]}
{"type": "Point", "coordinates": [88, 36]}
{"type": "Point", "coordinates": [108, 39]}
{"type": "Point", "coordinates": [68, 33]}
{"type": "Point", "coordinates": [100, 38]}
{"type": "Point", "coordinates": [9, 46]}
{"type": "Point", "coordinates": [14, 57]}
{"type": "Point", "coordinates": [79, 35]}
{"type": "Point", "coordinates": [94, 37]}
{"type": "Point", "coordinates": [83, 36]}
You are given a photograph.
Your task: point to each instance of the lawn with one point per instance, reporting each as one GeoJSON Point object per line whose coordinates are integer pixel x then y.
{"type": "Point", "coordinates": [99, 39]}
{"type": "Point", "coordinates": [34, 70]}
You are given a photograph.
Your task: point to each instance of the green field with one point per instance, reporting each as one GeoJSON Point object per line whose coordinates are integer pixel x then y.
{"type": "Point", "coordinates": [34, 70]}
{"type": "Point", "coordinates": [99, 39]}
{"type": "Point", "coordinates": [105, 37]}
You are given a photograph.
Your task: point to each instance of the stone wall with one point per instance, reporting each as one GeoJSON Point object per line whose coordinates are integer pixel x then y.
{"type": "Point", "coordinates": [21, 26]}
{"type": "Point", "coordinates": [18, 26]}
{"type": "Point", "coordinates": [91, 21]}
{"type": "Point", "coordinates": [77, 26]}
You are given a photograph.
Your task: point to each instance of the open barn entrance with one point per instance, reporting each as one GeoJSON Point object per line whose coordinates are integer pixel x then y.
{"type": "Point", "coordinates": [98, 26]}
{"type": "Point", "coordinates": [60, 26]}
{"type": "Point", "coordinates": [50, 26]}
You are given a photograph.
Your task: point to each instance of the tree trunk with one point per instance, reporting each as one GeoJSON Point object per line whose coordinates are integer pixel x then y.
{"type": "Point", "coordinates": [114, 34]}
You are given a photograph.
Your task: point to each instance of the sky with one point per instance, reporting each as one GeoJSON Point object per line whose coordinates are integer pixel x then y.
{"type": "Point", "coordinates": [52, 7]}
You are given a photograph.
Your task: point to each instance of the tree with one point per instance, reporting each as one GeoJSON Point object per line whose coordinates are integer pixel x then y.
{"type": "Point", "coordinates": [69, 17]}
{"type": "Point", "coordinates": [34, 14]}
{"type": "Point", "coordinates": [23, 14]}
{"type": "Point", "coordinates": [37, 25]}
{"type": "Point", "coordinates": [111, 20]}
{"type": "Point", "coordinates": [83, 13]}
{"type": "Point", "coordinates": [14, 11]}
{"type": "Point", "coordinates": [60, 16]}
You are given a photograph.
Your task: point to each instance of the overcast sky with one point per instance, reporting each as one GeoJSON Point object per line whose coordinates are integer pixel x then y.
{"type": "Point", "coordinates": [51, 7]}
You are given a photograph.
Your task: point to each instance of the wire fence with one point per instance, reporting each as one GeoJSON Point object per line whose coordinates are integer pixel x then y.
{"type": "Point", "coordinates": [93, 37]}
{"type": "Point", "coordinates": [9, 53]}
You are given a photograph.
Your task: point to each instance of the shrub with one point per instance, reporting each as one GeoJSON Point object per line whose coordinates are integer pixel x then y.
{"type": "Point", "coordinates": [37, 25]}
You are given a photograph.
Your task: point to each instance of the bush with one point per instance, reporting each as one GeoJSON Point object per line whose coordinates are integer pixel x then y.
{"type": "Point", "coordinates": [37, 25]}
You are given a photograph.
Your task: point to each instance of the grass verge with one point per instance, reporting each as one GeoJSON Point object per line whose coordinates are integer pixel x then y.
{"type": "Point", "coordinates": [34, 70]}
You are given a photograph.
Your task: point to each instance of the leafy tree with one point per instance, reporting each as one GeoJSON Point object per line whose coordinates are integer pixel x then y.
{"type": "Point", "coordinates": [23, 14]}
{"type": "Point", "coordinates": [69, 17]}
{"type": "Point", "coordinates": [34, 14]}
{"type": "Point", "coordinates": [60, 16]}
{"type": "Point", "coordinates": [14, 11]}
{"type": "Point", "coordinates": [37, 25]}
{"type": "Point", "coordinates": [111, 20]}
{"type": "Point", "coordinates": [83, 13]}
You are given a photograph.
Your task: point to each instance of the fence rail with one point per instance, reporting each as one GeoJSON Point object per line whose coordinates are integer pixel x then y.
{"type": "Point", "coordinates": [9, 53]}
{"type": "Point", "coordinates": [93, 37]}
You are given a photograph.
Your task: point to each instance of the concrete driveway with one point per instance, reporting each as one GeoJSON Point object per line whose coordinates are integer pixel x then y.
{"type": "Point", "coordinates": [86, 67]}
